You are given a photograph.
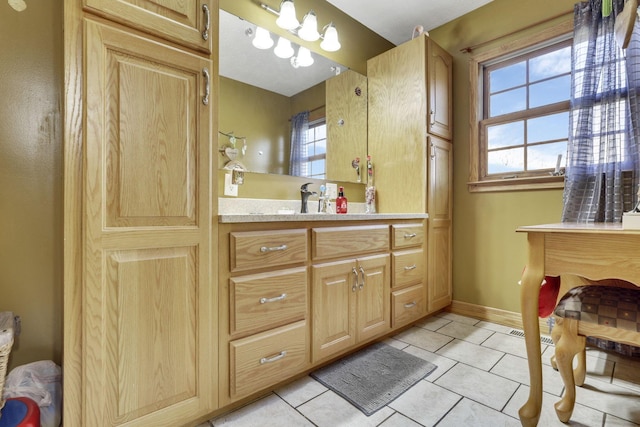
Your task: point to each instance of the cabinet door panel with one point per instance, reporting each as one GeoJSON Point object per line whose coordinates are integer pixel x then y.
{"type": "Point", "coordinates": [440, 65]}
{"type": "Point", "coordinates": [372, 310]}
{"type": "Point", "coordinates": [182, 21]}
{"type": "Point", "coordinates": [149, 307]}
{"type": "Point", "coordinates": [333, 292]}
{"type": "Point", "coordinates": [440, 220]}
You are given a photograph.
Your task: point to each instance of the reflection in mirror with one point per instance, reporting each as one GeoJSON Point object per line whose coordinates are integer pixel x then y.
{"type": "Point", "coordinates": [260, 94]}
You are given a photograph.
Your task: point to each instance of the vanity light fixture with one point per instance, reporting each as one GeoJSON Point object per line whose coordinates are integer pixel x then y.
{"type": "Point", "coordinates": [303, 59]}
{"type": "Point", "coordinates": [283, 49]}
{"type": "Point", "coordinates": [308, 31]}
{"type": "Point", "coordinates": [330, 41]}
{"type": "Point", "coordinates": [262, 39]}
{"type": "Point", "coordinates": [287, 16]}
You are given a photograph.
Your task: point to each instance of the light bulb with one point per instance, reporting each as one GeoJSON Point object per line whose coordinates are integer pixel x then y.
{"type": "Point", "coordinates": [262, 39]}
{"type": "Point", "coordinates": [309, 29]}
{"type": "Point", "coordinates": [330, 41]}
{"type": "Point", "coordinates": [304, 58]}
{"type": "Point", "coordinates": [283, 48]}
{"type": "Point", "coordinates": [287, 19]}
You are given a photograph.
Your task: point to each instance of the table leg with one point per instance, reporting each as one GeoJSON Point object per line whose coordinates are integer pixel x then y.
{"type": "Point", "coordinates": [530, 412]}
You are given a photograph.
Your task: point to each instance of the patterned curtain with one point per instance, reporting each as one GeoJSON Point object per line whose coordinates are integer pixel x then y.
{"type": "Point", "coordinates": [299, 128]}
{"type": "Point", "coordinates": [602, 156]}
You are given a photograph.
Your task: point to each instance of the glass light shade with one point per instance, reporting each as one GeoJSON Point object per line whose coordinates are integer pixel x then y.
{"type": "Point", "coordinates": [283, 48]}
{"type": "Point", "coordinates": [309, 29]}
{"type": "Point", "coordinates": [330, 41]}
{"type": "Point", "coordinates": [304, 58]}
{"type": "Point", "coordinates": [287, 19]}
{"type": "Point", "coordinates": [262, 39]}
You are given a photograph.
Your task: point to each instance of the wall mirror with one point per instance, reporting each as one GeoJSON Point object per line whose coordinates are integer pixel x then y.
{"type": "Point", "coordinates": [260, 92]}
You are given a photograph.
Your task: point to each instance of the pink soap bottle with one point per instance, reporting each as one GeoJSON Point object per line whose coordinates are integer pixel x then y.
{"type": "Point", "coordinates": [341, 202]}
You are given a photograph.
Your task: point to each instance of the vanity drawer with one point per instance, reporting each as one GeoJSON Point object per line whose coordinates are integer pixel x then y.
{"type": "Point", "coordinates": [263, 301]}
{"type": "Point", "coordinates": [407, 305]}
{"type": "Point", "coordinates": [408, 267]}
{"type": "Point", "coordinates": [332, 242]}
{"type": "Point", "coordinates": [259, 249]}
{"type": "Point", "coordinates": [405, 235]}
{"type": "Point", "coordinates": [265, 359]}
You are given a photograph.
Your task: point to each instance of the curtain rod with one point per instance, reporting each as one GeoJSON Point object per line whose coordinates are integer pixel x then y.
{"type": "Point", "coordinates": [475, 46]}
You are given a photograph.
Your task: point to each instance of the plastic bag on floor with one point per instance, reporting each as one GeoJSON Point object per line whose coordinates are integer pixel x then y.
{"type": "Point", "coordinates": [42, 382]}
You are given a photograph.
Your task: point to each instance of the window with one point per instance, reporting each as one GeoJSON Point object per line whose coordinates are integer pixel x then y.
{"type": "Point", "coordinates": [520, 125]}
{"type": "Point", "coordinates": [315, 149]}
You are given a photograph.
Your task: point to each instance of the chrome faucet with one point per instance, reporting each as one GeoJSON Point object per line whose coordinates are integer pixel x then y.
{"type": "Point", "coordinates": [304, 194]}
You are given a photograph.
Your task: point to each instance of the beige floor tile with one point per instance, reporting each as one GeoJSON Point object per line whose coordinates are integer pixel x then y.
{"type": "Point", "coordinates": [433, 323]}
{"type": "Point", "coordinates": [483, 387]}
{"type": "Point", "coordinates": [494, 327]}
{"type": "Point", "coordinates": [627, 374]}
{"type": "Point", "coordinates": [331, 410]}
{"type": "Point", "coordinates": [399, 420]}
{"type": "Point", "coordinates": [582, 415]}
{"type": "Point", "coordinates": [481, 357]}
{"type": "Point", "coordinates": [301, 391]}
{"type": "Point", "coordinates": [443, 363]}
{"type": "Point", "coordinates": [508, 344]}
{"type": "Point", "coordinates": [425, 403]}
{"type": "Point", "coordinates": [470, 413]}
{"type": "Point", "coordinates": [400, 345]}
{"type": "Point", "coordinates": [270, 411]}
{"type": "Point", "coordinates": [423, 338]}
{"type": "Point", "coordinates": [612, 399]}
{"type": "Point", "coordinates": [458, 318]}
{"type": "Point", "coordinates": [516, 369]}
{"type": "Point", "coordinates": [466, 332]}
{"type": "Point", "coordinates": [611, 421]}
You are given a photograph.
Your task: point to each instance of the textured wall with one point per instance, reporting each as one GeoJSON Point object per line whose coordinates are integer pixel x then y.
{"type": "Point", "coordinates": [31, 176]}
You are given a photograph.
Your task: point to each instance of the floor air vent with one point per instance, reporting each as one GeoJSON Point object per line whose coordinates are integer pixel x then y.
{"type": "Point", "coordinates": [519, 333]}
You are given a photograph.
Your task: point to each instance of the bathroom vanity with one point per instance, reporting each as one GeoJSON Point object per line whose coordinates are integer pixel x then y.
{"type": "Point", "coordinates": [296, 291]}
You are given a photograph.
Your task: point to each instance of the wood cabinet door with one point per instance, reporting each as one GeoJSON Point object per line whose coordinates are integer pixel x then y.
{"type": "Point", "coordinates": [346, 101]}
{"type": "Point", "coordinates": [149, 307]}
{"type": "Point", "coordinates": [439, 223]}
{"type": "Point", "coordinates": [334, 289]}
{"type": "Point", "coordinates": [373, 312]}
{"type": "Point", "coordinates": [440, 74]}
{"type": "Point", "coordinates": [193, 23]}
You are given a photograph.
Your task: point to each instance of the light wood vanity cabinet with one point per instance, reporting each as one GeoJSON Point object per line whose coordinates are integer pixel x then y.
{"type": "Point", "coordinates": [264, 324]}
{"type": "Point", "coordinates": [408, 291]}
{"type": "Point", "coordinates": [140, 319]}
{"type": "Point", "coordinates": [350, 296]}
{"type": "Point", "coordinates": [410, 131]}
{"type": "Point", "coordinates": [321, 290]}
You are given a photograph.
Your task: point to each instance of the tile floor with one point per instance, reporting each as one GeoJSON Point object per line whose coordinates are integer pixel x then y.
{"type": "Point", "coordinates": [481, 380]}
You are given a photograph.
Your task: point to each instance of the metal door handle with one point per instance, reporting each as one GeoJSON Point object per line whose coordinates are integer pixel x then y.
{"type": "Point", "coordinates": [273, 249]}
{"type": "Point", "coordinates": [274, 299]}
{"type": "Point", "coordinates": [207, 22]}
{"type": "Point", "coordinates": [207, 89]}
{"type": "Point", "coordinates": [275, 358]}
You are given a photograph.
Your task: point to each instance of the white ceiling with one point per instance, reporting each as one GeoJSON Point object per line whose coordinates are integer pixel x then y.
{"type": "Point", "coordinates": [393, 20]}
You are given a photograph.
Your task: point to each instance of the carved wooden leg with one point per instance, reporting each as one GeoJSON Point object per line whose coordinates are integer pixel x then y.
{"type": "Point", "coordinates": [568, 346]}
{"type": "Point", "coordinates": [529, 413]}
{"type": "Point", "coordinates": [580, 373]}
{"type": "Point", "coordinates": [556, 333]}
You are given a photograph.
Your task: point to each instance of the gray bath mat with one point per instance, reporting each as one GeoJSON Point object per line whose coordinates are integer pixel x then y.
{"type": "Point", "coordinates": [374, 376]}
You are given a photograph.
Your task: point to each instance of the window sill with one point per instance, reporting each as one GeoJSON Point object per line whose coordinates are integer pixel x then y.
{"type": "Point", "coordinates": [517, 184]}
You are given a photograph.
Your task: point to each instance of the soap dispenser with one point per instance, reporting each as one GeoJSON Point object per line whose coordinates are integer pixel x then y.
{"type": "Point", "coordinates": [341, 202]}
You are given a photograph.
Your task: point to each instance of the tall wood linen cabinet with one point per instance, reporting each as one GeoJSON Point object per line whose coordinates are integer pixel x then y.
{"type": "Point", "coordinates": [409, 139]}
{"type": "Point", "coordinates": [140, 303]}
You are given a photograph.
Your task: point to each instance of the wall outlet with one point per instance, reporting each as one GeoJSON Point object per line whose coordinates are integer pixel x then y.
{"type": "Point", "coordinates": [230, 189]}
{"type": "Point", "coordinates": [332, 190]}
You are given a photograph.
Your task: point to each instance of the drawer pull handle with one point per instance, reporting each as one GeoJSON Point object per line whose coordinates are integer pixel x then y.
{"type": "Point", "coordinates": [409, 236]}
{"type": "Point", "coordinates": [410, 267]}
{"type": "Point", "coordinates": [354, 287]}
{"type": "Point", "coordinates": [275, 358]}
{"type": "Point", "coordinates": [362, 283]}
{"type": "Point", "coordinates": [273, 249]}
{"type": "Point", "coordinates": [410, 304]}
{"type": "Point", "coordinates": [207, 22]}
{"type": "Point", "coordinates": [274, 299]}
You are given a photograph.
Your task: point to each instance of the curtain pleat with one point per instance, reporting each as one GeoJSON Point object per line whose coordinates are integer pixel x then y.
{"type": "Point", "coordinates": [299, 131]}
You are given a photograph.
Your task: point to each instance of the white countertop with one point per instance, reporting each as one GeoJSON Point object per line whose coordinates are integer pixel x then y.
{"type": "Point", "coordinates": [239, 218]}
